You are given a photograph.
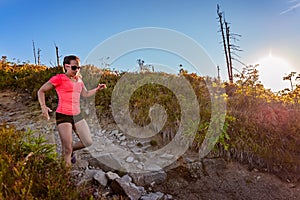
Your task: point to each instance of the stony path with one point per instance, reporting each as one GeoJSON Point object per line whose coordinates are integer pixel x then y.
{"type": "Point", "coordinates": [110, 145]}
{"type": "Point", "coordinates": [111, 150]}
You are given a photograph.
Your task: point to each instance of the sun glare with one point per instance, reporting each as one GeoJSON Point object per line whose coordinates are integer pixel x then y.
{"type": "Point", "coordinates": [271, 72]}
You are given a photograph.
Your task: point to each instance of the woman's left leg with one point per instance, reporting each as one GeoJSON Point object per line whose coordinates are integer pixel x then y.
{"type": "Point", "coordinates": [65, 133]}
{"type": "Point", "coordinates": [83, 131]}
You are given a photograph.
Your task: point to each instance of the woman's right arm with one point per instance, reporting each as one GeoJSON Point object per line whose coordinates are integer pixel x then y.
{"type": "Point", "coordinates": [41, 97]}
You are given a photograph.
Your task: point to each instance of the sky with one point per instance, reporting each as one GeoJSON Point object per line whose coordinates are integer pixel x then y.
{"type": "Point", "coordinates": [269, 29]}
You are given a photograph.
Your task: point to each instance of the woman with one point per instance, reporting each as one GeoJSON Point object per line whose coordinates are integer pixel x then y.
{"type": "Point", "coordinates": [69, 87]}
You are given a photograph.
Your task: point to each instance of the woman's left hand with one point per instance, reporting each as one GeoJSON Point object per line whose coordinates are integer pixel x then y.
{"type": "Point", "coordinates": [101, 86]}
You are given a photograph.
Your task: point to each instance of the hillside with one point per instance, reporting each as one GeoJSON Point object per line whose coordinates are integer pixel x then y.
{"type": "Point", "coordinates": [189, 178]}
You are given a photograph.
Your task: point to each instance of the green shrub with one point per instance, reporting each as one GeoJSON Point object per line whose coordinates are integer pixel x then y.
{"type": "Point", "coordinates": [265, 134]}
{"type": "Point", "coordinates": [30, 169]}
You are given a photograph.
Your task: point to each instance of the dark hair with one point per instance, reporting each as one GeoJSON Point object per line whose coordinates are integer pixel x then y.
{"type": "Point", "coordinates": [67, 59]}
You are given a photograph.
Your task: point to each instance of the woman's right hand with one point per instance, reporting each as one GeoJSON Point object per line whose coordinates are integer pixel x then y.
{"type": "Point", "coordinates": [45, 111]}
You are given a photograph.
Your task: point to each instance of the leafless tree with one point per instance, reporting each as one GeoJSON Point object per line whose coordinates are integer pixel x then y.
{"type": "Point", "coordinates": [39, 56]}
{"type": "Point", "coordinates": [34, 53]}
{"type": "Point", "coordinates": [57, 55]}
{"type": "Point", "coordinates": [229, 47]}
{"type": "Point", "coordinates": [289, 78]}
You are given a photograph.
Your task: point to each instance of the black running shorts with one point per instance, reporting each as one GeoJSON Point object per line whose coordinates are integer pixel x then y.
{"type": "Point", "coordinates": [62, 118]}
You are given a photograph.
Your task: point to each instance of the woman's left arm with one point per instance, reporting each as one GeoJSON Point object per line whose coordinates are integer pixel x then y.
{"type": "Point", "coordinates": [88, 93]}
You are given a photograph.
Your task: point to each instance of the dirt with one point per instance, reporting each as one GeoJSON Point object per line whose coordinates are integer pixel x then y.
{"type": "Point", "coordinates": [15, 106]}
{"type": "Point", "coordinates": [210, 179]}
{"type": "Point", "coordinates": [226, 180]}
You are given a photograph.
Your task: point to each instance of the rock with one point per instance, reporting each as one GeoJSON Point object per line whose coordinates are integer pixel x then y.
{"type": "Point", "coordinates": [140, 165]}
{"type": "Point", "coordinates": [152, 167]}
{"type": "Point", "coordinates": [123, 186]}
{"type": "Point", "coordinates": [127, 178]}
{"type": "Point", "coordinates": [100, 177]}
{"type": "Point", "coordinates": [114, 132]}
{"type": "Point", "coordinates": [119, 135]}
{"type": "Point", "coordinates": [146, 147]}
{"type": "Point", "coordinates": [136, 150]}
{"type": "Point", "coordinates": [81, 164]}
{"type": "Point", "coordinates": [99, 133]}
{"type": "Point", "coordinates": [122, 138]}
{"type": "Point", "coordinates": [168, 197]}
{"type": "Point", "coordinates": [112, 176]}
{"type": "Point", "coordinates": [99, 149]}
{"type": "Point", "coordinates": [87, 177]}
{"type": "Point", "coordinates": [90, 173]}
{"type": "Point", "coordinates": [129, 159]}
{"type": "Point", "coordinates": [147, 179]}
{"type": "Point", "coordinates": [106, 163]}
{"type": "Point", "coordinates": [153, 196]}
{"type": "Point", "coordinates": [189, 160]}
{"type": "Point", "coordinates": [167, 156]}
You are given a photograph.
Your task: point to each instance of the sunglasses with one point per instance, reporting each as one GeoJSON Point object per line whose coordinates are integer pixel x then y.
{"type": "Point", "coordinates": [75, 67]}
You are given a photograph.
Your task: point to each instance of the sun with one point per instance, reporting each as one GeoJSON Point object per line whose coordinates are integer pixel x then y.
{"type": "Point", "coordinates": [271, 71]}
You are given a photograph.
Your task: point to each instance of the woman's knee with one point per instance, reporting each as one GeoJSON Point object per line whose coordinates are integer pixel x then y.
{"type": "Point", "coordinates": [68, 150]}
{"type": "Point", "coordinates": [88, 142]}
{"type": "Point", "coordinates": [84, 133]}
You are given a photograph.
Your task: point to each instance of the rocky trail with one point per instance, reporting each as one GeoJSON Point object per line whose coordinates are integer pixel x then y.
{"type": "Point", "coordinates": [187, 178]}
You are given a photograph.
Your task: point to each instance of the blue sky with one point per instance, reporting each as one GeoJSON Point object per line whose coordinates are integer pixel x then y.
{"type": "Point", "coordinates": [78, 26]}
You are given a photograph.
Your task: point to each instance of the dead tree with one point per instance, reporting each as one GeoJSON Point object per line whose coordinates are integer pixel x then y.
{"type": "Point", "coordinates": [229, 52]}
{"type": "Point", "coordinates": [39, 56]}
{"type": "Point", "coordinates": [141, 64]}
{"type": "Point", "coordinates": [218, 68]}
{"type": "Point", "coordinates": [57, 55]}
{"type": "Point", "coordinates": [220, 16]}
{"type": "Point", "coordinates": [34, 54]}
{"type": "Point", "coordinates": [289, 77]}
{"type": "Point", "coordinates": [229, 48]}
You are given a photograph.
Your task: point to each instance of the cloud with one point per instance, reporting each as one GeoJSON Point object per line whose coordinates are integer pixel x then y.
{"type": "Point", "coordinates": [291, 7]}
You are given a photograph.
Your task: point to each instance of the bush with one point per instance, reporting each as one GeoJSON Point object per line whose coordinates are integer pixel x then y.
{"type": "Point", "coordinates": [30, 169]}
{"type": "Point", "coordinates": [265, 134]}
{"type": "Point", "coordinates": [261, 128]}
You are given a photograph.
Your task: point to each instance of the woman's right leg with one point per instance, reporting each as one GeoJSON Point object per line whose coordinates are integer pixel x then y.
{"type": "Point", "coordinates": [65, 133]}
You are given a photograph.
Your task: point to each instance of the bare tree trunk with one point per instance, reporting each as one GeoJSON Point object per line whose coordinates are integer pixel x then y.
{"type": "Point", "coordinates": [229, 53]}
{"type": "Point", "coordinates": [223, 38]}
{"type": "Point", "coordinates": [34, 54]}
{"type": "Point", "coordinates": [218, 68]}
{"type": "Point", "coordinates": [141, 64]}
{"type": "Point", "coordinates": [57, 56]}
{"type": "Point", "coordinates": [39, 54]}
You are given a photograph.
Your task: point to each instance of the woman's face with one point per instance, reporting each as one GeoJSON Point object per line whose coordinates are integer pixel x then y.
{"type": "Point", "coordinates": [71, 68]}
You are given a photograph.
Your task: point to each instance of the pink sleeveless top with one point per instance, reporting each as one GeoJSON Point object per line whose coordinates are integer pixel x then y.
{"type": "Point", "coordinates": [68, 94]}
